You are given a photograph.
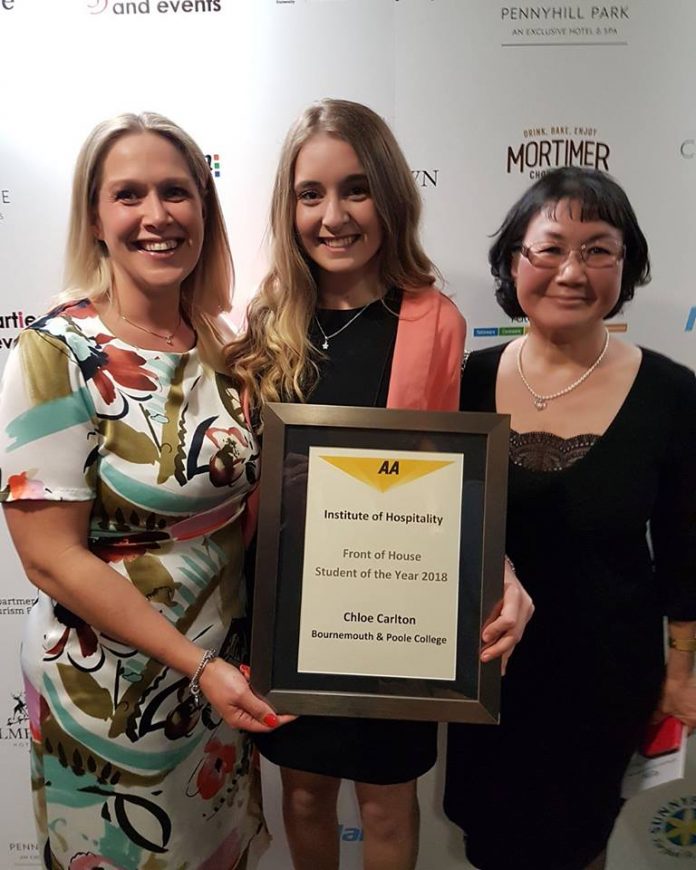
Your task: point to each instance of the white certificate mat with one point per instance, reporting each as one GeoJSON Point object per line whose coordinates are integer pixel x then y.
{"type": "Point", "coordinates": [381, 563]}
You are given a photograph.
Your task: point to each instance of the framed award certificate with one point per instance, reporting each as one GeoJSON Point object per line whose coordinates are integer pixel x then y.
{"type": "Point", "coordinates": [380, 557]}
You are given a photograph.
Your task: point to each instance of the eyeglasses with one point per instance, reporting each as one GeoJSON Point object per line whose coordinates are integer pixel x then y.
{"type": "Point", "coordinates": [595, 255]}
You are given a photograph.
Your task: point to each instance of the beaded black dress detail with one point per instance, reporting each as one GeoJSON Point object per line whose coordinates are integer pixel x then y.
{"type": "Point", "coordinates": [544, 451]}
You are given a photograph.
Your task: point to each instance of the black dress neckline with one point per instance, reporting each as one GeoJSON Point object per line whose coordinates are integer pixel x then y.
{"type": "Point", "coordinates": [609, 435]}
{"type": "Point", "coordinates": [355, 369]}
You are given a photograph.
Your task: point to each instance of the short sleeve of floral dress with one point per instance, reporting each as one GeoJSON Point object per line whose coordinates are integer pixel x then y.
{"type": "Point", "coordinates": [127, 772]}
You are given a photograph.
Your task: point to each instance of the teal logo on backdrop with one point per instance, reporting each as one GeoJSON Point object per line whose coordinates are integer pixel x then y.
{"type": "Point", "coordinates": [509, 331]}
{"type": "Point", "coordinates": [494, 331]}
{"type": "Point", "coordinates": [673, 828]}
{"type": "Point", "coordinates": [691, 320]}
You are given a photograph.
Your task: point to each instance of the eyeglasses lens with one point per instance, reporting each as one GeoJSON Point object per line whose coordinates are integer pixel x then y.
{"type": "Point", "coordinates": [596, 256]}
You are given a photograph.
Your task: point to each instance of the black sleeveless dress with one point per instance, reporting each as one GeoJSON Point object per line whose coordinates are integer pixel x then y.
{"type": "Point", "coordinates": [355, 371]}
{"type": "Point", "coordinates": [541, 791]}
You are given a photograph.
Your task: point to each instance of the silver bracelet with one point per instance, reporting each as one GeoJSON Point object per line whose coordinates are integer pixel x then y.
{"type": "Point", "coordinates": [194, 685]}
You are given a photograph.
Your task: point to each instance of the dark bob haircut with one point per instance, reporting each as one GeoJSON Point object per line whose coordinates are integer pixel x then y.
{"type": "Point", "coordinates": [599, 198]}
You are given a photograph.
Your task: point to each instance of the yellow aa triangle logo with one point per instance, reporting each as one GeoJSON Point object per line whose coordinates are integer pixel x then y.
{"type": "Point", "coordinates": [383, 473]}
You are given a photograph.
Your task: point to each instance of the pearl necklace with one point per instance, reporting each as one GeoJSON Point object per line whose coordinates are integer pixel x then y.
{"type": "Point", "coordinates": [540, 402]}
{"type": "Point", "coordinates": [325, 343]}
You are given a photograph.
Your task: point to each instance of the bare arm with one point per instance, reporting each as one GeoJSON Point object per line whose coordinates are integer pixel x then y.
{"type": "Point", "coordinates": [679, 691]}
{"type": "Point", "coordinates": [673, 531]}
{"type": "Point", "coordinates": [505, 626]}
{"type": "Point", "coordinates": [50, 538]}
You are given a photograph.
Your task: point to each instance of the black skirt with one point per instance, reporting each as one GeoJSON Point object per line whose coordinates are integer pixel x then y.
{"type": "Point", "coordinates": [377, 751]}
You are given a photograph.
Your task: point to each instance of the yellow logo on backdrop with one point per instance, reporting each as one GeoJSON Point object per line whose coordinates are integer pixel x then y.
{"type": "Point", "coordinates": [384, 473]}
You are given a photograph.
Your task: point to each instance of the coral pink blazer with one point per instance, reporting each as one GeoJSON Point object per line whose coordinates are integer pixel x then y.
{"type": "Point", "coordinates": [426, 368]}
{"type": "Point", "coordinates": [428, 353]}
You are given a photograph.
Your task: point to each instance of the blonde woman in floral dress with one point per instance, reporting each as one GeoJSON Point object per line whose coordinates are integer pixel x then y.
{"type": "Point", "coordinates": [126, 461]}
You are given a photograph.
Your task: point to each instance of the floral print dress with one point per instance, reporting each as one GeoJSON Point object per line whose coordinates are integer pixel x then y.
{"type": "Point", "coordinates": [126, 772]}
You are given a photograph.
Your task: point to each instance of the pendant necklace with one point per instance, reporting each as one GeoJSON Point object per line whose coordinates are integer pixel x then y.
{"type": "Point", "coordinates": [540, 401]}
{"type": "Point", "coordinates": [325, 342]}
{"type": "Point", "coordinates": [168, 337]}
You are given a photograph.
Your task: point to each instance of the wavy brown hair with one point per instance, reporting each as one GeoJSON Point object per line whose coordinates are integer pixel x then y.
{"type": "Point", "coordinates": [207, 292]}
{"type": "Point", "coordinates": [273, 359]}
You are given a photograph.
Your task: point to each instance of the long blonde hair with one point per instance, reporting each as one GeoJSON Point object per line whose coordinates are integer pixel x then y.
{"type": "Point", "coordinates": [207, 292]}
{"type": "Point", "coordinates": [273, 360]}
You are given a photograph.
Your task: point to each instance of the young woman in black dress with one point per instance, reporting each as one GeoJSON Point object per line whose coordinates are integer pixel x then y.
{"type": "Point", "coordinates": [349, 315]}
{"type": "Point", "coordinates": [603, 446]}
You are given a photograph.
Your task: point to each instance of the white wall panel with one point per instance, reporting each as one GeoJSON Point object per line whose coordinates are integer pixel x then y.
{"type": "Point", "coordinates": [461, 81]}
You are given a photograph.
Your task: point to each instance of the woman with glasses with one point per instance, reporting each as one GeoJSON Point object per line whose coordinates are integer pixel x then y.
{"type": "Point", "coordinates": [603, 450]}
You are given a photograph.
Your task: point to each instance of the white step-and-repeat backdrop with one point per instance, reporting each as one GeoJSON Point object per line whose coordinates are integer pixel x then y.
{"type": "Point", "coordinates": [483, 96]}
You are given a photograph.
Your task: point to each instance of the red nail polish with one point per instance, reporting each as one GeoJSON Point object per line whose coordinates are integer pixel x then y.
{"type": "Point", "coordinates": [271, 720]}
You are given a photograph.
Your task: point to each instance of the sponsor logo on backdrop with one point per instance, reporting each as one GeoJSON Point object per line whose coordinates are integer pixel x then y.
{"type": "Point", "coordinates": [153, 7]}
{"type": "Point", "coordinates": [16, 726]}
{"type": "Point", "coordinates": [10, 324]}
{"type": "Point", "coordinates": [292, 2]}
{"type": "Point", "coordinates": [495, 331]}
{"type": "Point", "coordinates": [691, 320]}
{"type": "Point", "coordinates": [21, 854]}
{"type": "Point", "coordinates": [688, 149]}
{"type": "Point", "coordinates": [16, 606]}
{"type": "Point", "coordinates": [214, 164]}
{"type": "Point", "coordinates": [541, 149]}
{"type": "Point", "coordinates": [19, 713]}
{"type": "Point", "coordinates": [564, 24]}
{"type": "Point", "coordinates": [673, 828]}
{"type": "Point", "coordinates": [350, 835]}
{"type": "Point", "coordinates": [5, 201]}
{"type": "Point", "coordinates": [511, 331]}
{"type": "Point", "coordinates": [425, 177]}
